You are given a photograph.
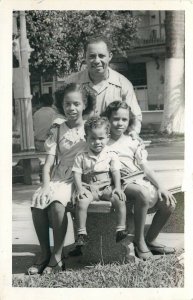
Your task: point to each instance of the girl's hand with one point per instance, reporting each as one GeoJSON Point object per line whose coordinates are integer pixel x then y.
{"type": "Point", "coordinates": [166, 196]}
{"type": "Point", "coordinates": [41, 197]}
{"type": "Point", "coordinates": [81, 194]}
{"type": "Point", "coordinates": [120, 194]}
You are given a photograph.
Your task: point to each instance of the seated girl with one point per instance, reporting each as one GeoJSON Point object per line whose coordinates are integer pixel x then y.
{"type": "Point", "coordinates": [50, 200]}
{"type": "Point", "coordinates": [140, 184]}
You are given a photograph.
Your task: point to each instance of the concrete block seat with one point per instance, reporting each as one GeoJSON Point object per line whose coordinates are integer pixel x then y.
{"type": "Point", "coordinates": [101, 224]}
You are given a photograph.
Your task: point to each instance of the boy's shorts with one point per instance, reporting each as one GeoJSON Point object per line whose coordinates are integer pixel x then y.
{"type": "Point", "coordinates": [100, 193]}
{"type": "Point", "coordinates": [99, 184]}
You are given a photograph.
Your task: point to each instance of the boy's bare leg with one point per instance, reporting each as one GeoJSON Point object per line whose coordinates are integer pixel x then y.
{"type": "Point", "coordinates": [81, 212]}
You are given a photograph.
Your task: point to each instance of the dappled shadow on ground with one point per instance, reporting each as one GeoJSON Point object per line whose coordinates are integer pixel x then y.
{"type": "Point", "coordinates": [23, 257]}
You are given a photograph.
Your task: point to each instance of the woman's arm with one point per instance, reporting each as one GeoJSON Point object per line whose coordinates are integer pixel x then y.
{"type": "Point", "coordinates": [117, 183]}
{"type": "Point", "coordinates": [81, 192]}
{"type": "Point", "coordinates": [77, 181]}
{"type": "Point", "coordinates": [116, 176]}
{"type": "Point", "coordinates": [42, 197]}
{"type": "Point", "coordinates": [116, 179]}
{"type": "Point", "coordinates": [47, 170]}
{"type": "Point", "coordinates": [151, 175]}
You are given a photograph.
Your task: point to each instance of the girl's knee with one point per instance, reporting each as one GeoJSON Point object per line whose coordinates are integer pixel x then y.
{"type": "Point", "coordinates": [57, 207]}
{"type": "Point", "coordinates": [142, 195]}
{"type": "Point", "coordinates": [138, 194]}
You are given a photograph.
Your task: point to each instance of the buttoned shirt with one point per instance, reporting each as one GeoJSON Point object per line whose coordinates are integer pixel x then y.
{"type": "Point", "coordinates": [87, 162]}
{"type": "Point", "coordinates": [115, 87]}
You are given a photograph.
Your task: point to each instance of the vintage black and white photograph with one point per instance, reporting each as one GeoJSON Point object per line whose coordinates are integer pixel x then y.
{"type": "Point", "coordinates": [98, 129]}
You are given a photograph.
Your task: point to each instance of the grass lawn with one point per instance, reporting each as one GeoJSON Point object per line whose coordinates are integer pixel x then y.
{"type": "Point", "coordinates": [161, 272]}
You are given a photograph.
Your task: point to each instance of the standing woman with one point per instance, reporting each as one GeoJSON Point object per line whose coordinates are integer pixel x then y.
{"type": "Point", "coordinates": [50, 200]}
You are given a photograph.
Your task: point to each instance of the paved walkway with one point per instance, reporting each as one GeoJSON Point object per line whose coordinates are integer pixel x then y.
{"type": "Point", "coordinates": [25, 243]}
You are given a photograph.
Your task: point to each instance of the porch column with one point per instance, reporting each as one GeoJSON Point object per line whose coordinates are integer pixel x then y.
{"type": "Point", "coordinates": [22, 94]}
{"type": "Point", "coordinates": [174, 100]}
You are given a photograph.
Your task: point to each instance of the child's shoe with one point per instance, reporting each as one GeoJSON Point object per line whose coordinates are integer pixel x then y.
{"type": "Point", "coordinates": [82, 240]}
{"type": "Point", "coordinates": [121, 235]}
{"type": "Point", "coordinates": [76, 252]}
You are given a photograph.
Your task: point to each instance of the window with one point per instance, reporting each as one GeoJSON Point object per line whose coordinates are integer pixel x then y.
{"type": "Point", "coordinates": [137, 74]}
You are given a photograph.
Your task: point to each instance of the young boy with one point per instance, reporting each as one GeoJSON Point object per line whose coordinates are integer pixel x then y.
{"type": "Point", "coordinates": [96, 173]}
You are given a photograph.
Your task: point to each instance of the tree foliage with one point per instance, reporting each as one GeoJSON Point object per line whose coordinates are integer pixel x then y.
{"type": "Point", "coordinates": [58, 37]}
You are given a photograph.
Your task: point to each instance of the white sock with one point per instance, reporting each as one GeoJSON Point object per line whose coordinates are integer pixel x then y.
{"type": "Point", "coordinates": [81, 231]}
{"type": "Point", "coordinates": [120, 228]}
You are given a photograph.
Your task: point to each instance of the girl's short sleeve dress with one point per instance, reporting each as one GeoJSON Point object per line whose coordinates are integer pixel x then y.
{"type": "Point", "coordinates": [65, 143]}
{"type": "Point", "coordinates": [132, 153]}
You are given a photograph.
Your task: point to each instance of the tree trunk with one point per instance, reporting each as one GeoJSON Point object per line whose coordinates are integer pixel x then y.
{"type": "Point", "coordinates": [173, 116]}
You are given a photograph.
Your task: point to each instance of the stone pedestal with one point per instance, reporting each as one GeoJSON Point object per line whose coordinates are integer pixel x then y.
{"type": "Point", "coordinates": [102, 246]}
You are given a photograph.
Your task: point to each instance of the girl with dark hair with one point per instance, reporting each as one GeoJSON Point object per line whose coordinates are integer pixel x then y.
{"type": "Point", "coordinates": [140, 184]}
{"type": "Point", "coordinates": [50, 200]}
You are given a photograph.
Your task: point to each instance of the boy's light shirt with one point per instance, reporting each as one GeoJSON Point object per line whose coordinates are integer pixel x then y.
{"type": "Point", "coordinates": [86, 161]}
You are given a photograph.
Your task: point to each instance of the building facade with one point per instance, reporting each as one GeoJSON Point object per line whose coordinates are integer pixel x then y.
{"type": "Point", "coordinates": [145, 64]}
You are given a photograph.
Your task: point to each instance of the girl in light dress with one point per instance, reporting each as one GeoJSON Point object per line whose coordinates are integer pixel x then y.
{"type": "Point", "coordinates": [50, 200]}
{"type": "Point", "coordinates": [140, 184]}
